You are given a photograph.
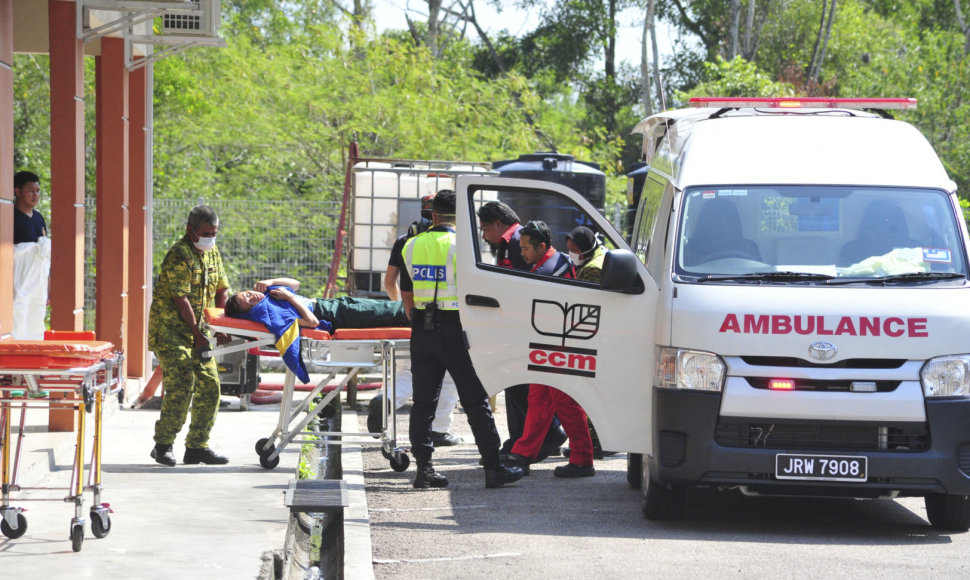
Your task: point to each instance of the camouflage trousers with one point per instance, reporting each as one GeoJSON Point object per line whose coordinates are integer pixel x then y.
{"type": "Point", "coordinates": [189, 382]}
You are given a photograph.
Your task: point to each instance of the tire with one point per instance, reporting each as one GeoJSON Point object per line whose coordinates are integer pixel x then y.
{"type": "Point", "coordinates": [387, 454]}
{"type": "Point", "coordinates": [634, 466]}
{"type": "Point", "coordinates": [948, 511]}
{"type": "Point", "coordinates": [400, 463]}
{"type": "Point", "coordinates": [98, 528]}
{"type": "Point", "coordinates": [77, 537]}
{"type": "Point", "coordinates": [265, 461]}
{"type": "Point", "coordinates": [12, 533]}
{"type": "Point", "coordinates": [259, 445]}
{"type": "Point", "coordinates": [659, 502]}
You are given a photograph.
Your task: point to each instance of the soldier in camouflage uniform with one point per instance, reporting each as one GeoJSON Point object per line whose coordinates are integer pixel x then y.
{"type": "Point", "coordinates": [191, 279]}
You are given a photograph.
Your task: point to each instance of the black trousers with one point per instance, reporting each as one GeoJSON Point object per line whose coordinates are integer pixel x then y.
{"type": "Point", "coordinates": [432, 353]}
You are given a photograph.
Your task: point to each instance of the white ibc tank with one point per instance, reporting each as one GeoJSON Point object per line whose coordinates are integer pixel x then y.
{"type": "Point", "coordinates": [385, 201]}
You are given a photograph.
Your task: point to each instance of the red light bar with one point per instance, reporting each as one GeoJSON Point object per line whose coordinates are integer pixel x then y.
{"type": "Point", "coordinates": [802, 103]}
{"type": "Point", "coordinates": [781, 385]}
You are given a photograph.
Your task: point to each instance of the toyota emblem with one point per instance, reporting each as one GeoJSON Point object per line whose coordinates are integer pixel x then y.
{"type": "Point", "coordinates": [822, 350]}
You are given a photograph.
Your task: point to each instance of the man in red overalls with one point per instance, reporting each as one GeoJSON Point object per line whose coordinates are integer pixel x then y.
{"type": "Point", "coordinates": [544, 401]}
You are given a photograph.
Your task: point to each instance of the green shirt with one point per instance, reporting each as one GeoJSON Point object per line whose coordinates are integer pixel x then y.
{"type": "Point", "coordinates": [184, 272]}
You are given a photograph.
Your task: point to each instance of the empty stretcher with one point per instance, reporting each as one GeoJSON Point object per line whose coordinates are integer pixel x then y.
{"type": "Point", "coordinates": [345, 352]}
{"type": "Point", "coordinates": [32, 373]}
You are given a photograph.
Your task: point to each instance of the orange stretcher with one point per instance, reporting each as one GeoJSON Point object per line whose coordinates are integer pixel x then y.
{"type": "Point", "coordinates": [32, 372]}
{"type": "Point", "coordinates": [345, 352]}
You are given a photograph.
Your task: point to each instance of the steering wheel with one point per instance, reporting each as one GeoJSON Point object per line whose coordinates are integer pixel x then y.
{"type": "Point", "coordinates": [723, 254]}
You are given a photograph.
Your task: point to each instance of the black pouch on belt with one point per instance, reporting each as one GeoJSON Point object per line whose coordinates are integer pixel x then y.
{"type": "Point", "coordinates": [430, 312]}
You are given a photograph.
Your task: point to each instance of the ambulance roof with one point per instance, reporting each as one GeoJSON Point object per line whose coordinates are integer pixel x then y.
{"type": "Point", "coordinates": [813, 146]}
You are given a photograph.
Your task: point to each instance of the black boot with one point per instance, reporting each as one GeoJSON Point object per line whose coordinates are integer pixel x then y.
{"type": "Point", "coordinates": [499, 477]}
{"type": "Point", "coordinates": [204, 455]}
{"type": "Point", "coordinates": [428, 477]}
{"type": "Point", "coordinates": [163, 454]}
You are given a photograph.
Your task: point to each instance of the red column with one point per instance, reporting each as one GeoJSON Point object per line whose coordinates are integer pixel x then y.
{"type": "Point", "coordinates": [111, 285]}
{"type": "Point", "coordinates": [67, 168]}
{"type": "Point", "coordinates": [138, 232]}
{"type": "Point", "coordinates": [6, 166]}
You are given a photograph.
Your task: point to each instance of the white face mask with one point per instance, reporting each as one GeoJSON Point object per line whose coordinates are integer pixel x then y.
{"type": "Point", "coordinates": [205, 244]}
{"type": "Point", "coordinates": [576, 258]}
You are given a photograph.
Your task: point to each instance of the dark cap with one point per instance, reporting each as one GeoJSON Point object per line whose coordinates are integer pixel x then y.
{"type": "Point", "coordinates": [584, 238]}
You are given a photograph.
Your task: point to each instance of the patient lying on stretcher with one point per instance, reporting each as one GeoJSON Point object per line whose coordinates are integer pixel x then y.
{"type": "Point", "coordinates": [276, 298]}
{"type": "Point", "coordinates": [275, 304]}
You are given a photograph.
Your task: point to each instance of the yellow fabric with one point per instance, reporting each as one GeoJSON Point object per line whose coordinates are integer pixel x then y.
{"type": "Point", "coordinates": [292, 334]}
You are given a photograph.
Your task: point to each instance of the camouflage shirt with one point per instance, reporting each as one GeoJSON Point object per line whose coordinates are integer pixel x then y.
{"type": "Point", "coordinates": [185, 272]}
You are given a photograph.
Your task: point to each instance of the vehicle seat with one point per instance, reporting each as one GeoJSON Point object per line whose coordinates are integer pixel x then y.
{"type": "Point", "coordinates": [718, 231]}
{"type": "Point", "coordinates": [882, 229]}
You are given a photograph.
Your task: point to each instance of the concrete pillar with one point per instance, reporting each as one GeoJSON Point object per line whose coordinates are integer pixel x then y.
{"type": "Point", "coordinates": [138, 241]}
{"type": "Point", "coordinates": [67, 168]}
{"type": "Point", "coordinates": [6, 166]}
{"type": "Point", "coordinates": [111, 284]}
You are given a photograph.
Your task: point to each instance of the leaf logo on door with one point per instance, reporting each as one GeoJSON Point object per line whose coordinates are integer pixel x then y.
{"type": "Point", "coordinates": [576, 322]}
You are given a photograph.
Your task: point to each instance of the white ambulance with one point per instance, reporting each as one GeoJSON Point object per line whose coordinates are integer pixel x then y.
{"type": "Point", "coordinates": [790, 317]}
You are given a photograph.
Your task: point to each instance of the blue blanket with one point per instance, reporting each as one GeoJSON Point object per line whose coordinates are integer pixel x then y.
{"type": "Point", "coordinates": [283, 320]}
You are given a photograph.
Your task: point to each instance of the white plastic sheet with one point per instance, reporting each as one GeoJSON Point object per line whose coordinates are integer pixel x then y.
{"type": "Point", "coordinates": [31, 268]}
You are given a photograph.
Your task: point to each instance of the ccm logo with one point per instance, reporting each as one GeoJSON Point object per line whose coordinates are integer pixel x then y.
{"type": "Point", "coordinates": [562, 360]}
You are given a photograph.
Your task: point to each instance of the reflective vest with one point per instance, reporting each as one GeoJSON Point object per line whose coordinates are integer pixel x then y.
{"type": "Point", "coordinates": [430, 259]}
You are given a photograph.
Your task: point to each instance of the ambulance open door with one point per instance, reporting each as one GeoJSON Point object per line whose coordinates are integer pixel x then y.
{"type": "Point", "coordinates": [593, 343]}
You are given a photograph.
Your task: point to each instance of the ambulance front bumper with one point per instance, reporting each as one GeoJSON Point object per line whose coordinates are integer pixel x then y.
{"type": "Point", "coordinates": [696, 447]}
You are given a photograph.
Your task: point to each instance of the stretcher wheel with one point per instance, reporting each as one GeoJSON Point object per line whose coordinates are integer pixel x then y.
{"type": "Point", "coordinates": [259, 445]}
{"type": "Point", "coordinates": [387, 454]}
{"type": "Point", "coordinates": [98, 528]}
{"type": "Point", "coordinates": [77, 537]}
{"type": "Point", "coordinates": [400, 463]}
{"type": "Point", "coordinates": [12, 533]}
{"type": "Point", "coordinates": [264, 459]}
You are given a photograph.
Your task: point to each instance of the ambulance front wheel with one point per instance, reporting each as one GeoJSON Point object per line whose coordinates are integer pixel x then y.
{"type": "Point", "coordinates": [948, 511]}
{"type": "Point", "coordinates": [660, 502]}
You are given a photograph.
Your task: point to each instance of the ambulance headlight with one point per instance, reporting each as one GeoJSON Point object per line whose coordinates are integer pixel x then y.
{"type": "Point", "coordinates": [946, 376]}
{"type": "Point", "coordinates": [688, 369]}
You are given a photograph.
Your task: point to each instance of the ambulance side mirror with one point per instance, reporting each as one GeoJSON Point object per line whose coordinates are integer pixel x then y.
{"type": "Point", "coordinates": [620, 272]}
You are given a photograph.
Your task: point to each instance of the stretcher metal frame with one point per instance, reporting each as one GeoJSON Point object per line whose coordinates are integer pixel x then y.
{"type": "Point", "coordinates": [90, 384]}
{"type": "Point", "coordinates": [315, 345]}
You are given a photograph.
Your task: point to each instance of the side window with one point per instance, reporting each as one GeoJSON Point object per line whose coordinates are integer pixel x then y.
{"type": "Point", "coordinates": [500, 213]}
{"type": "Point", "coordinates": [653, 189]}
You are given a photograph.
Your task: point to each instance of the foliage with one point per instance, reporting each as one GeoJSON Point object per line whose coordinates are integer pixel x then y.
{"type": "Point", "coordinates": [735, 78]}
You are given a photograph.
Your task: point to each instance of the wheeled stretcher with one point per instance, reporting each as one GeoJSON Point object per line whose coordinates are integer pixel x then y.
{"type": "Point", "coordinates": [31, 373]}
{"type": "Point", "coordinates": [345, 352]}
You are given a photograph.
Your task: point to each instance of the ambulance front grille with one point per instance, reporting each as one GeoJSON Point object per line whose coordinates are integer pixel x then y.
{"type": "Point", "coordinates": [850, 363]}
{"type": "Point", "coordinates": [822, 436]}
{"type": "Point", "coordinates": [825, 385]}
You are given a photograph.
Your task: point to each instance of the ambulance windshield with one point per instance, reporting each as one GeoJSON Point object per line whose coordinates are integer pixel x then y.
{"type": "Point", "coordinates": [818, 235]}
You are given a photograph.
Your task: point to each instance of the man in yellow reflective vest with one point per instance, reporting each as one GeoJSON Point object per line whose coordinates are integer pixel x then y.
{"type": "Point", "coordinates": [429, 292]}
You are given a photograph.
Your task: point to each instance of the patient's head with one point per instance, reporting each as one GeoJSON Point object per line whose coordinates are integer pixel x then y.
{"type": "Point", "coordinates": [242, 302]}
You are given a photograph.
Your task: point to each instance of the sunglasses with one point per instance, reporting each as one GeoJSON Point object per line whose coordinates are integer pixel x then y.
{"type": "Point", "coordinates": [533, 230]}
